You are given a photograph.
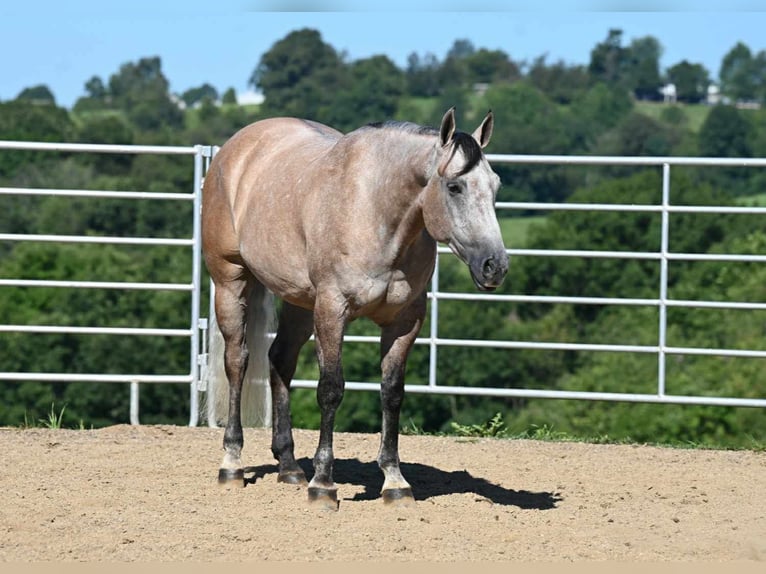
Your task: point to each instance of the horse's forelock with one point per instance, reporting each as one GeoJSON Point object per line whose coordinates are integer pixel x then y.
{"type": "Point", "coordinates": [471, 151]}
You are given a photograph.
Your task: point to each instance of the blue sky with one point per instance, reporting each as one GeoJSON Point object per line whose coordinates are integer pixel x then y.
{"type": "Point", "coordinates": [63, 45]}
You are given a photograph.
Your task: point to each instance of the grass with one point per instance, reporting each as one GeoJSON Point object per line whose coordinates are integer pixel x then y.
{"type": "Point", "coordinates": [515, 230]}
{"type": "Point", "coordinates": [695, 113]}
{"type": "Point", "coordinates": [757, 200]}
{"type": "Point", "coordinates": [497, 429]}
{"type": "Point", "coordinates": [54, 420]}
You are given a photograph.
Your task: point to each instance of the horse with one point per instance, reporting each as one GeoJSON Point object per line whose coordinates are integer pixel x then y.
{"type": "Point", "coordinates": [339, 227]}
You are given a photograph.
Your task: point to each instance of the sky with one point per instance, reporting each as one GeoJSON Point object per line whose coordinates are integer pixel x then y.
{"type": "Point", "coordinates": [64, 44]}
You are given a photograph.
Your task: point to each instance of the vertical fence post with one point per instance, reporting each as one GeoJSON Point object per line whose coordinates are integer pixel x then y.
{"type": "Point", "coordinates": [663, 308]}
{"type": "Point", "coordinates": [196, 283]}
{"type": "Point", "coordinates": [434, 331]}
{"type": "Point", "coordinates": [134, 420]}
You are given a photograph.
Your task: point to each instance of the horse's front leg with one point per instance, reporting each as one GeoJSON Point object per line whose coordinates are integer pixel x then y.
{"type": "Point", "coordinates": [396, 341]}
{"type": "Point", "coordinates": [329, 325]}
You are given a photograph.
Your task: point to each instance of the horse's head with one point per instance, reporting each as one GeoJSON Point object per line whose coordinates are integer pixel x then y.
{"type": "Point", "coordinates": [459, 202]}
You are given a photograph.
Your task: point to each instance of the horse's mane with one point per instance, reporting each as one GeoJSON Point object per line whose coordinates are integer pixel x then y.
{"type": "Point", "coordinates": [408, 127]}
{"type": "Point", "coordinates": [464, 142]}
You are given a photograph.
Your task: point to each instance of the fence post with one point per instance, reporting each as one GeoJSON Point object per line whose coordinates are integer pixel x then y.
{"type": "Point", "coordinates": [663, 308]}
{"type": "Point", "coordinates": [134, 403]}
{"type": "Point", "coordinates": [201, 153]}
{"type": "Point", "coordinates": [434, 331]}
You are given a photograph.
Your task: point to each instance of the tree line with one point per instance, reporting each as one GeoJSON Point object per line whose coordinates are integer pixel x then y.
{"type": "Point", "coordinates": [606, 107]}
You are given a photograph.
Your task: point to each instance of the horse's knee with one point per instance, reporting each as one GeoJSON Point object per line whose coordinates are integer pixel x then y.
{"type": "Point", "coordinates": [330, 394]}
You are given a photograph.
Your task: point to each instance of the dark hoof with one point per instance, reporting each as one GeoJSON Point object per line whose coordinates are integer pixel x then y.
{"type": "Point", "coordinates": [323, 498]}
{"type": "Point", "coordinates": [399, 497]}
{"type": "Point", "coordinates": [231, 477]}
{"type": "Point", "coordinates": [296, 477]}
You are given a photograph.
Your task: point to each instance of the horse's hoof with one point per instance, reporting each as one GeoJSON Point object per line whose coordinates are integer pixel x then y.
{"type": "Point", "coordinates": [231, 477]}
{"type": "Point", "coordinates": [398, 497]}
{"type": "Point", "coordinates": [323, 498]}
{"type": "Point", "coordinates": [296, 477]}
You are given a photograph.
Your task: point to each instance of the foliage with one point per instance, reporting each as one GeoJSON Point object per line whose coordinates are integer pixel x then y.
{"type": "Point", "coordinates": [691, 81]}
{"type": "Point", "coordinates": [26, 121]}
{"type": "Point", "coordinates": [199, 94]}
{"type": "Point", "coordinates": [494, 428]}
{"type": "Point", "coordinates": [540, 108]}
{"type": "Point", "coordinates": [295, 73]}
{"type": "Point", "coordinates": [371, 93]}
{"type": "Point", "coordinates": [743, 74]}
{"type": "Point", "coordinates": [40, 94]}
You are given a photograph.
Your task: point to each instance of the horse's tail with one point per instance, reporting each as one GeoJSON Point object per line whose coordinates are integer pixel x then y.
{"type": "Point", "coordinates": [256, 394]}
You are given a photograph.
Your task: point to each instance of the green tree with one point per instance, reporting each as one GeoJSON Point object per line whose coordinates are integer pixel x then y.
{"type": "Point", "coordinates": [488, 66]}
{"type": "Point", "coordinates": [725, 133]}
{"type": "Point", "coordinates": [691, 81]}
{"type": "Point", "coordinates": [559, 81]}
{"type": "Point", "coordinates": [196, 95]}
{"type": "Point", "coordinates": [229, 97]}
{"type": "Point", "coordinates": [643, 68]}
{"type": "Point", "coordinates": [97, 97]}
{"type": "Point", "coordinates": [372, 93]}
{"type": "Point", "coordinates": [106, 129]}
{"type": "Point", "coordinates": [737, 74]}
{"type": "Point", "coordinates": [603, 106]}
{"type": "Point", "coordinates": [299, 76]}
{"type": "Point", "coordinates": [608, 59]}
{"type": "Point", "coordinates": [23, 120]}
{"type": "Point", "coordinates": [96, 88]}
{"type": "Point", "coordinates": [142, 90]}
{"type": "Point", "coordinates": [454, 72]}
{"type": "Point", "coordinates": [527, 122]}
{"type": "Point", "coordinates": [636, 135]}
{"type": "Point", "coordinates": [422, 75]}
{"type": "Point", "coordinates": [40, 94]}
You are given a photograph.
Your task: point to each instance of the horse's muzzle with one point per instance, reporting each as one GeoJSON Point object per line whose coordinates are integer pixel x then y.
{"type": "Point", "coordinates": [488, 273]}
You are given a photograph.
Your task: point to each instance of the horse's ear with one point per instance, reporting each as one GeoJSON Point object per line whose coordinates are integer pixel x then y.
{"type": "Point", "coordinates": [447, 129]}
{"type": "Point", "coordinates": [484, 132]}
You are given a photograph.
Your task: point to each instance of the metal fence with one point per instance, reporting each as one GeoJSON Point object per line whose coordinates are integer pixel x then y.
{"type": "Point", "coordinates": [432, 340]}
{"type": "Point", "coordinates": [192, 243]}
{"type": "Point", "coordinates": [663, 257]}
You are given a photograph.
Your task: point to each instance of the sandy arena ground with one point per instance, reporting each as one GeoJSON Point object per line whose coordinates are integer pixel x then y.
{"type": "Point", "coordinates": [149, 493]}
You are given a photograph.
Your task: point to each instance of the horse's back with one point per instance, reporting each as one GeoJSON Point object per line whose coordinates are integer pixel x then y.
{"type": "Point", "coordinates": [252, 196]}
{"type": "Point", "coordinates": [262, 151]}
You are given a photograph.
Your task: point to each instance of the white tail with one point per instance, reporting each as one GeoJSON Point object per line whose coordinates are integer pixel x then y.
{"type": "Point", "coordinates": [256, 393]}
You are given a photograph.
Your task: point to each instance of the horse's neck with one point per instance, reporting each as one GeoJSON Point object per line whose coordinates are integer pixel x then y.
{"type": "Point", "coordinates": [403, 171]}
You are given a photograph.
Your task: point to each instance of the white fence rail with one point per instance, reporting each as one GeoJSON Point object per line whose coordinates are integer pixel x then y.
{"type": "Point", "coordinates": [662, 301]}
{"type": "Point", "coordinates": [432, 340]}
{"type": "Point", "coordinates": [199, 154]}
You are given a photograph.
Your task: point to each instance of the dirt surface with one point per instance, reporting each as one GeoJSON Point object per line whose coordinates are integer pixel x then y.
{"type": "Point", "coordinates": [150, 494]}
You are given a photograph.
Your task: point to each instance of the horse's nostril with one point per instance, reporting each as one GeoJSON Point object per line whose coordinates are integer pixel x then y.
{"type": "Point", "coordinates": [489, 267]}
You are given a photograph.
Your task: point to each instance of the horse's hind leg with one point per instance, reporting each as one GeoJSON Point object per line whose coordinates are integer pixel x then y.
{"type": "Point", "coordinates": [396, 341]}
{"type": "Point", "coordinates": [295, 326]}
{"type": "Point", "coordinates": [230, 310]}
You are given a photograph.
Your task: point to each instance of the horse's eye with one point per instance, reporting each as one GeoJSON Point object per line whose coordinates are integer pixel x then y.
{"type": "Point", "coordinates": [454, 188]}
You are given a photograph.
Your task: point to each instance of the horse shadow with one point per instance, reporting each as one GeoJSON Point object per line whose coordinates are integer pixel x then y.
{"type": "Point", "coordinates": [426, 481]}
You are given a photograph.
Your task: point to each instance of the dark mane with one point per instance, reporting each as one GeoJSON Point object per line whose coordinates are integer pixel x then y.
{"type": "Point", "coordinates": [408, 127]}
{"type": "Point", "coordinates": [463, 141]}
